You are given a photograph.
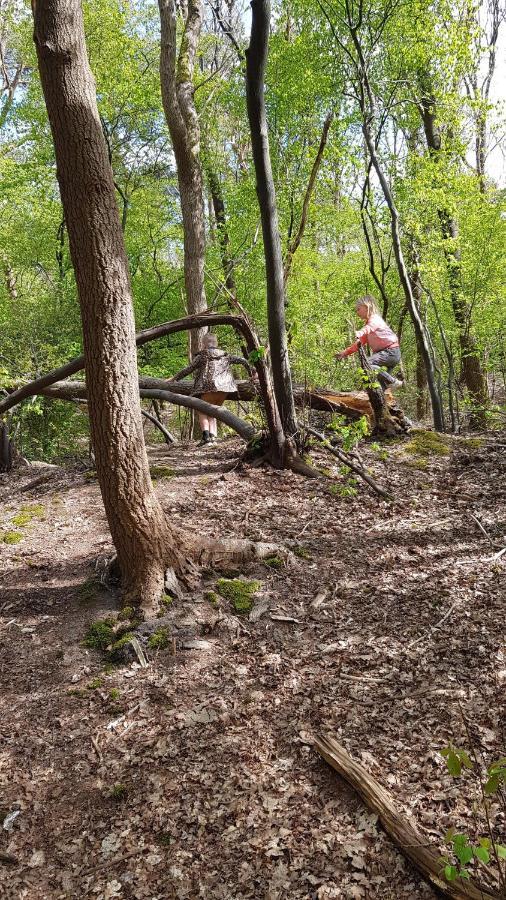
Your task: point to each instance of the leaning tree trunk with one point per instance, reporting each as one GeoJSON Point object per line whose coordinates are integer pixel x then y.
{"type": "Point", "coordinates": [143, 540]}
{"type": "Point", "coordinates": [472, 372]}
{"type": "Point", "coordinates": [256, 58]}
{"type": "Point", "coordinates": [176, 74]}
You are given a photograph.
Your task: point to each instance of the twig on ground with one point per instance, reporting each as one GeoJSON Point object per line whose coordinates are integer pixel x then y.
{"type": "Point", "coordinates": [347, 461]}
{"type": "Point", "coordinates": [482, 529]}
{"type": "Point", "coordinates": [434, 627]}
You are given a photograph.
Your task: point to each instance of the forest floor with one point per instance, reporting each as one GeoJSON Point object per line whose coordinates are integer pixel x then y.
{"type": "Point", "coordinates": [196, 776]}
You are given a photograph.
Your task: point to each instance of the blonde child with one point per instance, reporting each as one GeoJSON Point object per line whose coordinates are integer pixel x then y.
{"type": "Point", "coordinates": [383, 342]}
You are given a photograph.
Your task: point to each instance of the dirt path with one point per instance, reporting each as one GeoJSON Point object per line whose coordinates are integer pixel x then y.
{"type": "Point", "coordinates": [196, 776]}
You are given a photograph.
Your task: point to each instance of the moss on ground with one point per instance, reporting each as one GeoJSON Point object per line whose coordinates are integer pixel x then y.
{"type": "Point", "coordinates": [161, 472]}
{"type": "Point", "coordinates": [115, 652]}
{"type": "Point", "coordinates": [11, 537]}
{"type": "Point", "coordinates": [471, 443]}
{"type": "Point", "coordinates": [427, 443]}
{"type": "Point", "coordinates": [239, 592]}
{"type": "Point", "coordinates": [159, 640]}
{"type": "Point", "coordinates": [212, 597]}
{"type": "Point", "coordinates": [100, 634]}
{"type": "Point", "coordinates": [274, 562]}
{"type": "Point", "coordinates": [27, 513]}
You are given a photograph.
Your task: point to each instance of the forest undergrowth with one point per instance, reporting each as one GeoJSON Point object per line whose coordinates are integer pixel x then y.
{"type": "Point", "coordinates": [196, 776]}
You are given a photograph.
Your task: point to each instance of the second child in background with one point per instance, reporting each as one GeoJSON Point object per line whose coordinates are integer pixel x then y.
{"type": "Point", "coordinates": [214, 381]}
{"type": "Point", "coordinates": [383, 342]}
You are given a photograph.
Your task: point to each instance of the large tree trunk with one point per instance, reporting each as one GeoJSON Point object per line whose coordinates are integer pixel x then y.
{"type": "Point", "coordinates": [176, 75]}
{"type": "Point", "coordinates": [143, 540]}
{"type": "Point", "coordinates": [472, 372]}
{"type": "Point", "coordinates": [256, 58]}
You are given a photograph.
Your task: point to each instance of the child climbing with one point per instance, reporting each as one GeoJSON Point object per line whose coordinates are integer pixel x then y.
{"type": "Point", "coordinates": [214, 381]}
{"type": "Point", "coordinates": [383, 342]}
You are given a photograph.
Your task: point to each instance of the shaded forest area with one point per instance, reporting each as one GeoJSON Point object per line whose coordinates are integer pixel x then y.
{"type": "Point", "coordinates": [252, 626]}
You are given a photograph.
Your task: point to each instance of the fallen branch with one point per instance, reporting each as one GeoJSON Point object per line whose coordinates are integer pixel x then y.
{"type": "Point", "coordinates": [244, 429]}
{"type": "Point", "coordinates": [7, 859]}
{"type": "Point", "coordinates": [347, 461]}
{"type": "Point", "coordinates": [169, 438]}
{"type": "Point", "coordinates": [398, 827]}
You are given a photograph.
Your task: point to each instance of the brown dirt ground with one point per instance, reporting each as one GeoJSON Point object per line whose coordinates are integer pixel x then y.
{"type": "Point", "coordinates": [198, 777]}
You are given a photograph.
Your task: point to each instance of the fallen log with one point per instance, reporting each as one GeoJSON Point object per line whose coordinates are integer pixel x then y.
{"type": "Point", "coordinates": [352, 404]}
{"type": "Point", "coordinates": [399, 828]}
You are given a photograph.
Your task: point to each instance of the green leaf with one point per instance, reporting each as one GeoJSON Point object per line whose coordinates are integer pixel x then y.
{"type": "Point", "coordinates": [500, 849]}
{"type": "Point", "coordinates": [454, 764]}
{"type": "Point", "coordinates": [464, 855]}
{"type": "Point", "coordinates": [449, 835]}
{"type": "Point", "coordinates": [492, 784]}
{"type": "Point", "coordinates": [482, 854]}
{"type": "Point", "coordinates": [450, 873]}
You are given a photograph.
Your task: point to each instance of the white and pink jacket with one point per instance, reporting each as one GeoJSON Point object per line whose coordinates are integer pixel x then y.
{"type": "Point", "coordinates": [376, 333]}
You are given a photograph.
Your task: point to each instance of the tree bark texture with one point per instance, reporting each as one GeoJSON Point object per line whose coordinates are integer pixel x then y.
{"type": "Point", "coordinates": [256, 58]}
{"type": "Point", "coordinates": [472, 372]}
{"type": "Point", "coordinates": [139, 530]}
{"type": "Point", "coordinates": [176, 76]}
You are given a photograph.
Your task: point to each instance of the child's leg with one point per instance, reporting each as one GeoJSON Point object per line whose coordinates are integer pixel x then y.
{"type": "Point", "coordinates": [204, 422]}
{"type": "Point", "coordinates": [213, 427]}
{"type": "Point", "coordinates": [385, 359]}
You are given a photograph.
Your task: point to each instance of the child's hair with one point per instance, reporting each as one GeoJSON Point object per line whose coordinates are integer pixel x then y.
{"type": "Point", "coordinates": [369, 302]}
{"type": "Point", "coordinates": [210, 341]}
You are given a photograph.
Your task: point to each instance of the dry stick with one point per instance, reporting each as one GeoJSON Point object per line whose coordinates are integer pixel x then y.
{"type": "Point", "coordinates": [399, 828]}
{"type": "Point", "coordinates": [344, 458]}
{"type": "Point", "coordinates": [170, 439]}
{"type": "Point", "coordinates": [244, 430]}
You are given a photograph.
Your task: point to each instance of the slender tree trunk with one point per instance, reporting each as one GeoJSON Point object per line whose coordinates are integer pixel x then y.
{"type": "Point", "coordinates": [176, 74]}
{"type": "Point", "coordinates": [367, 109]}
{"type": "Point", "coordinates": [256, 58]}
{"type": "Point", "coordinates": [294, 244]}
{"type": "Point", "coordinates": [472, 372]}
{"type": "Point", "coordinates": [221, 226]}
{"type": "Point", "coordinates": [143, 540]}
{"type": "Point", "coordinates": [418, 325]}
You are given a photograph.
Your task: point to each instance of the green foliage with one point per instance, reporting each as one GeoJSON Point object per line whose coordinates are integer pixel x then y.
{"type": "Point", "coordinates": [239, 592]}
{"type": "Point", "coordinates": [350, 433]}
{"type": "Point", "coordinates": [160, 639]}
{"type": "Point", "coordinates": [462, 852]}
{"type": "Point", "coordinates": [100, 634]}
{"type": "Point", "coordinates": [11, 537]}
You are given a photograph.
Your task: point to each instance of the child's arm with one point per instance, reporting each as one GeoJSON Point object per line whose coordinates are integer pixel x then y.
{"type": "Point", "coordinates": [191, 368]}
{"type": "Point", "coordinates": [240, 361]}
{"type": "Point", "coordinates": [362, 338]}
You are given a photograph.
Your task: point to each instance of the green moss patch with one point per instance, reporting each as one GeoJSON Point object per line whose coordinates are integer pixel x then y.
{"type": "Point", "coordinates": [161, 472]}
{"type": "Point", "coordinates": [472, 443]}
{"type": "Point", "coordinates": [274, 562]}
{"type": "Point", "coordinates": [239, 592]}
{"type": "Point", "coordinates": [11, 537]}
{"type": "Point", "coordinates": [212, 597]}
{"type": "Point", "coordinates": [159, 640]}
{"type": "Point", "coordinates": [115, 652]}
{"type": "Point", "coordinates": [27, 513]}
{"type": "Point", "coordinates": [427, 443]}
{"type": "Point", "coordinates": [100, 634]}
